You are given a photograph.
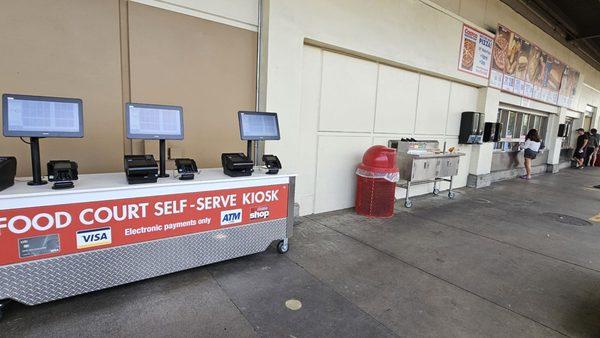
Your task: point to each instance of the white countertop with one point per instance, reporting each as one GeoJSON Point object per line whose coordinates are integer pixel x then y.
{"type": "Point", "coordinates": [434, 155]}
{"type": "Point", "coordinates": [114, 182]}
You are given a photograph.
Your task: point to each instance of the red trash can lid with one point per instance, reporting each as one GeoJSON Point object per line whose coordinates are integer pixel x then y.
{"type": "Point", "coordinates": [379, 159]}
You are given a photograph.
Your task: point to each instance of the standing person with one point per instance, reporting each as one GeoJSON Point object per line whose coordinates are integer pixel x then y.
{"type": "Point", "coordinates": [592, 147]}
{"type": "Point", "coordinates": [579, 154]}
{"type": "Point", "coordinates": [531, 148]}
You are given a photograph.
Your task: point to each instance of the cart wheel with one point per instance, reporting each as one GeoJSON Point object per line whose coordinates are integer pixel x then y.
{"type": "Point", "coordinates": [408, 203]}
{"type": "Point", "coordinates": [436, 191]}
{"type": "Point", "coordinates": [3, 304]}
{"type": "Point", "coordinates": [451, 195]}
{"type": "Point", "coordinates": [282, 247]}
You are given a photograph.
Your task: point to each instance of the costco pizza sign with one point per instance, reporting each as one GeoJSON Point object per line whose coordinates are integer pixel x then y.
{"type": "Point", "coordinates": [39, 232]}
{"type": "Point", "coordinates": [475, 52]}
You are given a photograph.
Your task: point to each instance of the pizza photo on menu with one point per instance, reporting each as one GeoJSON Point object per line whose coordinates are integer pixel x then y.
{"type": "Point", "coordinates": [468, 54]}
{"type": "Point", "coordinates": [500, 47]}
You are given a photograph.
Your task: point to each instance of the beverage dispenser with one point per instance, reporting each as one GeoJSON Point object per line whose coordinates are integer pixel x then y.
{"type": "Point", "coordinates": [471, 128]}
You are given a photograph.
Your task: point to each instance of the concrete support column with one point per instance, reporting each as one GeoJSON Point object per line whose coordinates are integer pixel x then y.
{"type": "Point", "coordinates": [577, 123]}
{"type": "Point", "coordinates": [596, 119]}
{"type": "Point", "coordinates": [552, 141]}
{"type": "Point", "coordinates": [481, 155]}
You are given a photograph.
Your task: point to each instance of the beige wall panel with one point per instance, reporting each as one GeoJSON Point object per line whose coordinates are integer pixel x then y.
{"type": "Point", "coordinates": [309, 119]}
{"type": "Point", "coordinates": [348, 93]}
{"type": "Point", "coordinates": [206, 67]}
{"type": "Point", "coordinates": [452, 5]}
{"type": "Point", "coordinates": [238, 13]}
{"type": "Point", "coordinates": [462, 98]}
{"type": "Point", "coordinates": [337, 159]}
{"type": "Point", "coordinates": [474, 10]}
{"type": "Point", "coordinates": [66, 48]}
{"type": "Point", "coordinates": [432, 107]}
{"type": "Point", "coordinates": [397, 92]}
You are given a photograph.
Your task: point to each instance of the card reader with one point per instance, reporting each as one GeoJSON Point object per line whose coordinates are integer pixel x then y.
{"type": "Point", "coordinates": [186, 167]}
{"type": "Point", "coordinates": [272, 163]}
{"type": "Point", "coordinates": [236, 164]}
{"type": "Point", "coordinates": [141, 169]}
{"type": "Point", "coordinates": [62, 173]}
{"type": "Point", "coordinates": [8, 171]}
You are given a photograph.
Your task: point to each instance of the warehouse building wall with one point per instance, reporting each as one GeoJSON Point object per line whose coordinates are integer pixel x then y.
{"type": "Point", "coordinates": [236, 13]}
{"type": "Point", "coordinates": [197, 54]}
{"type": "Point", "coordinates": [342, 74]}
{"type": "Point", "coordinates": [349, 104]}
{"type": "Point", "coordinates": [67, 49]}
{"type": "Point", "coordinates": [206, 67]}
{"type": "Point", "coordinates": [420, 37]}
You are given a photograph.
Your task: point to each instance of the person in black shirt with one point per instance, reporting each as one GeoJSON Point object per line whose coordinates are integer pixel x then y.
{"type": "Point", "coordinates": [579, 154]}
{"type": "Point", "coordinates": [592, 147]}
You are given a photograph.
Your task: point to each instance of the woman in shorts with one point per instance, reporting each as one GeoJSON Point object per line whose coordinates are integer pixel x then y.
{"type": "Point", "coordinates": [531, 148]}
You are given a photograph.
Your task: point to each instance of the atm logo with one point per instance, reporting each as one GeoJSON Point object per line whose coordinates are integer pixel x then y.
{"type": "Point", "coordinates": [229, 217]}
{"type": "Point", "coordinates": [94, 237]}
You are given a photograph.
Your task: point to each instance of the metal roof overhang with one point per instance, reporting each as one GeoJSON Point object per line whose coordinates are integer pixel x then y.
{"type": "Point", "coordinates": [574, 23]}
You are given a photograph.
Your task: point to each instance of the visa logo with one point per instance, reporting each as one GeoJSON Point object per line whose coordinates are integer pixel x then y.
{"type": "Point", "coordinates": [231, 217]}
{"type": "Point", "coordinates": [94, 237]}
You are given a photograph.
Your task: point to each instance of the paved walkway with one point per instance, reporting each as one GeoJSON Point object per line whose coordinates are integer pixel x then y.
{"type": "Point", "coordinates": [499, 261]}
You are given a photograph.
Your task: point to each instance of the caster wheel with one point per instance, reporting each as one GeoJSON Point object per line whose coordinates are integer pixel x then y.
{"type": "Point", "coordinates": [3, 304]}
{"type": "Point", "coordinates": [451, 195]}
{"type": "Point", "coordinates": [436, 191]}
{"type": "Point", "coordinates": [282, 247]}
{"type": "Point", "coordinates": [408, 203]}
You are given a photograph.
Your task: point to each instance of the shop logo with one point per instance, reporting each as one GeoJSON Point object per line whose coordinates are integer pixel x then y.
{"type": "Point", "coordinates": [231, 217]}
{"type": "Point", "coordinates": [259, 212]}
{"type": "Point", "coordinates": [94, 237]}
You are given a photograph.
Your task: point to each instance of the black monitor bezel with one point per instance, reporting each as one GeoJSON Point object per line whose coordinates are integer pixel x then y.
{"type": "Point", "coordinates": [253, 138]}
{"type": "Point", "coordinates": [132, 136]}
{"type": "Point", "coordinates": [40, 134]}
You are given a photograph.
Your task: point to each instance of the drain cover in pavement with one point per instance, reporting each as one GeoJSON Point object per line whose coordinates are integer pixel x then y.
{"type": "Point", "coordinates": [566, 219]}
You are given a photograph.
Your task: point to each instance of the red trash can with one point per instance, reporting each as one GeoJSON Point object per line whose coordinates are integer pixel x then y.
{"type": "Point", "coordinates": [376, 180]}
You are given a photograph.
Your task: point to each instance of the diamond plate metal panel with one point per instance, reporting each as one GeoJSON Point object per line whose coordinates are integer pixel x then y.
{"type": "Point", "coordinates": [54, 278]}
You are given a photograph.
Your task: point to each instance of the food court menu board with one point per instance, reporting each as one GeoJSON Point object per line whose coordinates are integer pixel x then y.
{"type": "Point", "coordinates": [522, 68]}
{"type": "Point", "coordinates": [568, 87]}
{"type": "Point", "coordinates": [475, 52]}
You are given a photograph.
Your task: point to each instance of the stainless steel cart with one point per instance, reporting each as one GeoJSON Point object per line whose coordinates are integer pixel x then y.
{"type": "Point", "coordinates": [422, 162]}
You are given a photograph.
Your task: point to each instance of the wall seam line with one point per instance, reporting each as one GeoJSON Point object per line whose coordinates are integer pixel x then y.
{"type": "Point", "coordinates": [314, 194]}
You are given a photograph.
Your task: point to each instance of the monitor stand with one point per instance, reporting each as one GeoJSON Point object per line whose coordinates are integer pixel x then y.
{"type": "Point", "coordinates": [36, 167]}
{"type": "Point", "coordinates": [163, 159]}
{"type": "Point", "coordinates": [249, 149]}
{"type": "Point", "coordinates": [252, 151]}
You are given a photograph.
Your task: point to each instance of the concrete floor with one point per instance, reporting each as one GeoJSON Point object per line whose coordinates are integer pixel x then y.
{"type": "Point", "coordinates": [489, 263]}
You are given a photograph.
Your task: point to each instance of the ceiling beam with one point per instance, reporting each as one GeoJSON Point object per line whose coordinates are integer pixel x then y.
{"type": "Point", "coordinates": [586, 37]}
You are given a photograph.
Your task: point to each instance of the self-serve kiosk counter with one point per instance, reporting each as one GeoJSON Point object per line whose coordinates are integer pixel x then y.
{"type": "Point", "coordinates": [105, 232]}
